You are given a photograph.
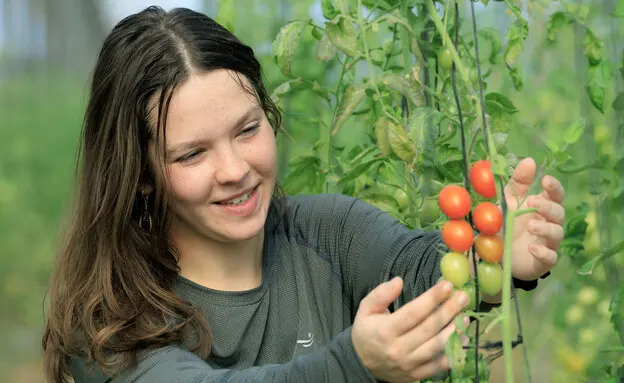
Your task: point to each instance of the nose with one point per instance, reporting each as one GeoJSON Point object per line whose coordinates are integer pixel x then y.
{"type": "Point", "coordinates": [230, 167]}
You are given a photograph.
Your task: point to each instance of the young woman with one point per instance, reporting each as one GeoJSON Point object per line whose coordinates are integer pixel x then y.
{"type": "Point", "coordinates": [183, 262]}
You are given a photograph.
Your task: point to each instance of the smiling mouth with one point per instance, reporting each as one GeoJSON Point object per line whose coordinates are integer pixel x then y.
{"type": "Point", "coordinates": [240, 199]}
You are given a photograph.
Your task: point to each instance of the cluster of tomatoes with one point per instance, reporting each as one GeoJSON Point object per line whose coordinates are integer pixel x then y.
{"type": "Point", "coordinates": [459, 236]}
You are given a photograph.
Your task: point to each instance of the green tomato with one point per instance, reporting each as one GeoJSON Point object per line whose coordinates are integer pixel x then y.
{"type": "Point", "coordinates": [445, 59]}
{"type": "Point", "coordinates": [574, 315]}
{"type": "Point", "coordinates": [402, 198]}
{"type": "Point", "coordinates": [474, 75]}
{"type": "Point", "coordinates": [490, 277]}
{"type": "Point", "coordinates": [470, 290]}
{"type": "Point", "coordinates": [455, 268]}
{"type": "Point", "coordinates": [429, 212]}
{"type": "Point", "coordinates": [587, 295]}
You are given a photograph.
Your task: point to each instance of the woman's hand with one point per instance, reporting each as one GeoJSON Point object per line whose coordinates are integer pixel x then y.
{"type": "Point", "coordinates": [537, 236]}
{"type": "Point", "coordinates": [406, 345]}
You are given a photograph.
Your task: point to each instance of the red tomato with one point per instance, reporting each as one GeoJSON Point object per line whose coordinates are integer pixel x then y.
{"type": "Point", "coordinates": [454, 201]}
{"type": "Point", "coordinates": [458, 235]}
{"type": "Point", "coordinates": [490, 248]}
{"type": "Point", "coordinates": [487, 218]}
{"type": "Point", "coordinates": [482, 178]}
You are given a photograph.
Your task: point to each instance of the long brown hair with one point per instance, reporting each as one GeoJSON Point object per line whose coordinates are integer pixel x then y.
{"type": "Point", "coordinates": [111, 289]}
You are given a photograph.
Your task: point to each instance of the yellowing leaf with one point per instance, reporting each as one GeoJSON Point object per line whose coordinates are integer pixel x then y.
{"type": "Point", "coordinates": [350, 100]}
{"type": "Point", "coordinates": [342, 34]}
{"type": "Point", "coordinates": [325, 50]}
{"type": "Point", "coordinates": [381, 133]}
{"type": "Point", "coordinates": [400, 143]}
{"type": "Point", "coordinates": [286, 43]}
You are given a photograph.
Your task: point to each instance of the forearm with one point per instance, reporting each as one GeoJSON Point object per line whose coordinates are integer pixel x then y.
{"type": "Point", "coordinates": [337, 362]}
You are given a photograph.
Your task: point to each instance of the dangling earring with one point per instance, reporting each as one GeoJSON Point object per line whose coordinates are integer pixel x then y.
{"type": "Point", "coordinates": [147, 217]}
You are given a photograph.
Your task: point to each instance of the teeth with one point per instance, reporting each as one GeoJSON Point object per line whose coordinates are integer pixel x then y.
{"type": "Point", "coordinates": [239, 200]}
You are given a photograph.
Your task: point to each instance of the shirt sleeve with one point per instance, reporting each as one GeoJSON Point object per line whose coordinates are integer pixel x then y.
{"type": "Point", "coordinates": [370, 245]}
{"type": "Point", "coordinates": [336, 362]}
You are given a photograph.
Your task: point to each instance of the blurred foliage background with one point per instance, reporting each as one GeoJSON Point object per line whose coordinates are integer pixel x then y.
{"type": "Point", "coordinates": [47, 49]}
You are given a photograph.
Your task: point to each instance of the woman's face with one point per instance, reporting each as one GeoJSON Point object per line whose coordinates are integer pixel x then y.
{"type": "Point", "coordinates": [221, 159]}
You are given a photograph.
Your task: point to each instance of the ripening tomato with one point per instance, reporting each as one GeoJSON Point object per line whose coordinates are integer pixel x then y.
{"type": "Point", "coordinates": [454, 201]}
{"type": "Point", "coordinates": [458, 235]}
{"type": "Point", "coordinates": [487, 218]}
{"type": "Point", "coordinates": [455, 268]}
{"type": "Point", "coordinates": [490, 248]}
{"type": "Point", "coordinates": [490, 277]}
{"type": "Point", "coordinates": [482, 178]}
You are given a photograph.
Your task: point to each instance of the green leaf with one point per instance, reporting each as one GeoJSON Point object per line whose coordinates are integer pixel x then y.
{"type": "Point", "coordinates": [342, 35]}
{"type": "Point", "coordinates": [226, 14]}
{"type": "Point", "coordinates": [594, 48]}
{"type": "Point", "coordinates": [617, 312]}
{"type": "Point", "coordinates": [329, 12]}
{"type": "Point", "coordinates": [359, 170]}
{"type": "Point", "coordinates": [325, 50]}
{"type": "Point", "coordinates": [516, 77]}
{"type": "Point", "coordinates": [618, 103]}
{"type": "Point", "coordinates": [497, 104]}
{"type": "Point", "coordinates": [455, 352]}
{"type": "Point", "coordinates": [286, 87]}
{"type": "Point", "coordinates": [405, 85]}
{"type": "Point", "coordinates": [598, 79]}
{"type": "Point", "coordinates": [574, 131]}
{"type": "Point", "coordinates": [305, 174]}
{"type": "Point", "coordinates": [619, 9]}
{"type": "Point", "coordinates": [286, 43]}
{"type": "Point", "coordinates": [350, 100]}
{"type": "Point", "coordinates": [496, 42]}
{"type": "Point", "coordinates": [557, 21]}
{"type": "Point", "coordinates": [500, 166]}
{"type": "Point", "coordinates": [516, 34]}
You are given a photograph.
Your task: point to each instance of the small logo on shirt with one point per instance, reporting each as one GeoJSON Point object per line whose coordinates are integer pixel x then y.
{"type": "Point", "coordinates": [306, 342]}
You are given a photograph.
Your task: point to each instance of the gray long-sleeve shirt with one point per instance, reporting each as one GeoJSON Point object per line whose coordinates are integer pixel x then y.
{"type": "Point", "coordinates": [326, 254]}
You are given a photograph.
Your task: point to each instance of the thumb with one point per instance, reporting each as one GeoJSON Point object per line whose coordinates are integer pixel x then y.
{"type": "Point", "coordinates": [521, 179]}
{"type": "Point", "coordinates": [378, 299]}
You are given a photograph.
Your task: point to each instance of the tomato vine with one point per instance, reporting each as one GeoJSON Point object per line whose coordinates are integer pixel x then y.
{"type": "Point", "coordinates": [414, 130]}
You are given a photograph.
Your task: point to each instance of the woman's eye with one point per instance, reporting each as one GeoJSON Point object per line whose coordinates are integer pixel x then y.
{"type": "Point", "coordinates": [249, 130]}
{"type": "Point", "coordinates": [189, 156]}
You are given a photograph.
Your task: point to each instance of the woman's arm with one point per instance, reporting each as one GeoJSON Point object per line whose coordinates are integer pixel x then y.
{"type": "Point", "coordinates": [336, 362]}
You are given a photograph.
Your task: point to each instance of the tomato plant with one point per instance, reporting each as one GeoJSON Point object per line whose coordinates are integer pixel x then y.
{"type": "Point", "coordinates": [490, 248]}
{"type": "Point", "coordinates": [455, 268]}
{"type": "Point", "coordinates": [488, 218]}
{"type": "Point", "coordinates": [398, 120]}
{"type": "Point", "coordinates": [482, 178]}
{"type": "Point", "coordinates": [454, 201]}
{"type": "Point", "coordinates": [458, 235]}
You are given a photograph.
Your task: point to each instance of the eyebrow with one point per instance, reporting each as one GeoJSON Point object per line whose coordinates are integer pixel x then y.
{"type": "Point", "coordinates": [238, 122]}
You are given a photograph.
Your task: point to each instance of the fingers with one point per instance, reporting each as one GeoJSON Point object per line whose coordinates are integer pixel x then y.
{"type": "Point", "coordinates": [546, 256]}
{"type": "Point", "coordinates": [432, 368]}
{"type": "Point", "coordinates": [551, 233]}
{"type": "Point", "coordinates": [378, 300]}
{"type": "Point", "coordinates": [552, 211]}
{"type": "Point", "coordinates": [553, 189]}
{"type": "Point", "coordinates": [435, 346]}
{"type": "Point", "coordinates": [521, 179]}
{"type": "Point", "coordinates": [411, 314]}
{"type": "Point", "coordinates": [436, 321]}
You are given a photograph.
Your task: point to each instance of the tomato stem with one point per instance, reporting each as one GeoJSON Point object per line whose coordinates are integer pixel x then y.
{"type": "Point", "coordinates": [506, 299]}
{"type": "Point", "coordinates": [524, 211]}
